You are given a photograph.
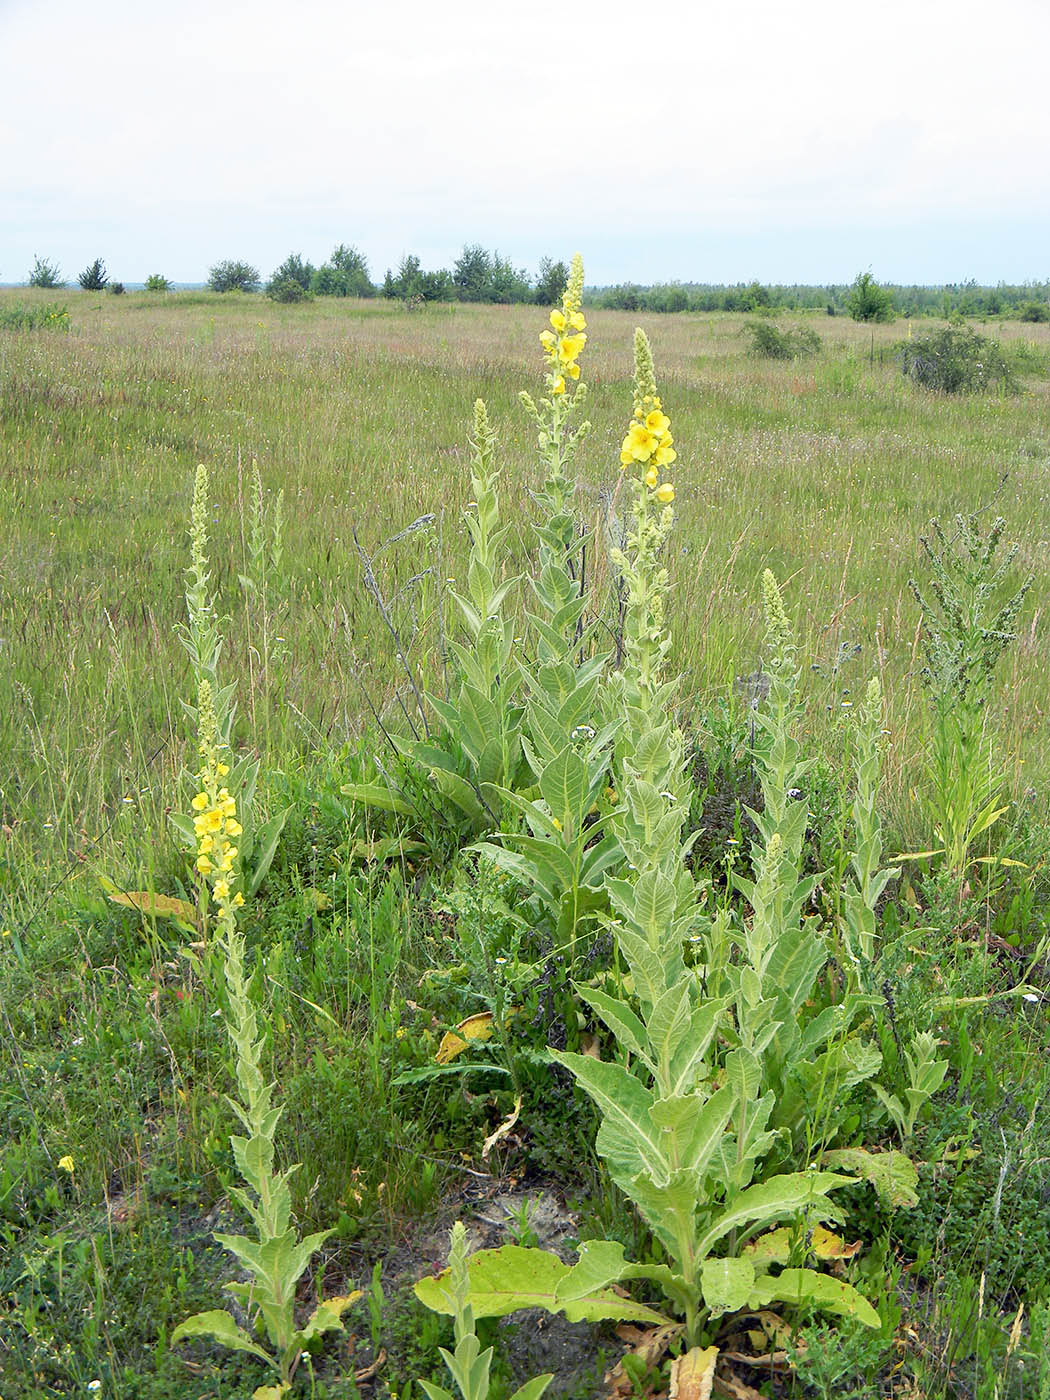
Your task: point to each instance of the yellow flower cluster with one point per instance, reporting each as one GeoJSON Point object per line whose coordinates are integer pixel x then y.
{"type": "Point", "coordinates": [649, 443]}
{"type": "Point", "coordinates": [564, 343]}
{"type": "Point", "coordinates": [215, 823]}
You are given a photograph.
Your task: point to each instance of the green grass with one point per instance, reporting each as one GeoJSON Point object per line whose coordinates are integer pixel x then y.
{"type": "Point", "coordinates": [110, 1049]}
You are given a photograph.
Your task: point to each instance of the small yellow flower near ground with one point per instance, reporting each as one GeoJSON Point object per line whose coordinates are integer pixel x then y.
{"type": "Point", "coordinates": [65, 1164]}
{"type": "Point", "coordinates": [665, 493]}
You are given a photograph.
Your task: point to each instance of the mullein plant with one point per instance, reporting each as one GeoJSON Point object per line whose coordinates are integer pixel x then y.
{"type": "Point", "coordinates": [687, 1102]}
{"type": "Point", "coordinates": [563, 855]}
{"type": "Point", "coordinates": [866, 878]}
{"type": "Point", "coordinates": [275, 1259]}
{"type": "Point", "coordinates": [202, 638]}
{"type": "Point", "coordinates": [476, 751]}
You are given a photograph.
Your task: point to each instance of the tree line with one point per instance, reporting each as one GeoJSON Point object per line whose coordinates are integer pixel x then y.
{"type": "Point", "coordinates": [479, 275]}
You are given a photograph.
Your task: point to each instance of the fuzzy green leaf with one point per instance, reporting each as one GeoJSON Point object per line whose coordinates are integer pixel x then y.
{"type": "Point", "coordinates": [726, 1284]}
{"type": "Point", "coordinates": [220, 1325]}
{"type": "Point", "coordinates": [806, 1286]}
{"type": "Point", "coordinates": [893, 1175]}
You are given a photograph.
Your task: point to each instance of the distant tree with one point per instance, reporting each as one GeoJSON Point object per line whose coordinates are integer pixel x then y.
{"type": "Point", "coordinates": [117, 288]}
{"type": "Point", "coordinates": [233, 276]}
{"type": "Point", "coordinates": [45, 274]}
{"type": "Point", "coordinates": [389, 286]}
{"type": "Point", "coordinates": [436, 286]}
{"type": "Point", "coordinates": [345, 274]}
{"type": "Point", "coordinates": [551, 281]}
{"type": "Point", "coordinates": [867, 301]}
{"type": "Point", "coordinates": [156, 283]}
{"type": "Point", "coordinates": [293, 269]}
{"type": "Point", "coordinates": [287, 289]}
{"type": "Point", "coordinates": [94, 277]}
{"type": "Point", "coordinates": [472, 273]}
{"type": "Point", "coordinates": [1035, 311]}
{"type": "Point", "coordinates": [507, 283]}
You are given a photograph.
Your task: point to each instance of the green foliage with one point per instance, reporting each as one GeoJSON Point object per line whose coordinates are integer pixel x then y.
{"type": "Point", "coordinates": [468, 1365]}
{"type": "Point", "coordinates": [155, 282]}
{"type": "Point", "coordinates": [969, 619]}
{"type": "Point", "coordinates": [769, 342]}
{"type": "Point", "coordinates": [1035, 311]}
{"type": "Point", "coordinates": [472, 273]}
{"type": "Point", "coordinates": [551, 281]}
{"type": "Point", "coordinates": [868, 301]}
{"type": "Point", "coordinates": [41, 316]}
{"type": "Point", "coordinates": [956, 360]}
{"type": "Point", "coordinates": [345, 274]}
{"type": "Point", "coordinates": [45, 274]}
{"type": "Point", "coordinates": [94, 278]}
{"type": "Point", "coordinates": [232, 275]}
{"type": "Point", "coordinates": [291, 281]}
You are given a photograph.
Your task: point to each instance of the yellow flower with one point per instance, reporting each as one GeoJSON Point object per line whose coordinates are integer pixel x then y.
{"type": "Point", "coordinates": [570, 346]}
{"type": "Point", "coordinates": [576, 321]}
{"type": "Point", "coordinates": [200, 802]}
{"type": "Point", "coordinates": [657, 422]}
{"type": "Point", "coordinates": [233, 828]}
{"type": "Point", "coordinates": [558, 387]}
{"type": "Point", "coordinates": [212, 820]}
{"type": "Point", "coordinates": [222, 889]}
{"type": "Point", "coordinates": [665, 493]}
{"type": "Point", "coordinates": [639, 442]}
{"type": "Point", "coordinates": [237, 900]}
{"type": "Point", "coordinates": [65, 1164]}
{"type": "Point", "coordinates": [573, 371]}
{"type": "Point", "coordinates": [558, 320]}
{"type": "Point", "coordinates": [547, 338]}
{"type": "Point", "coordinates": [222, 769]}
{"type": "Point", "coordinates": [652, 476]}
{"type": "Point", "coordinates": [207, 843]}
{"type": "Point", "coordinates": [556, 823]}
{"type": "Point", "coordinates": [204, 865]}
{"type": "Point", "coordinates": [664, 455]}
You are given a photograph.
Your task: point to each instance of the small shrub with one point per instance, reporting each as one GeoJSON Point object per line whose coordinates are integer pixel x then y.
{"type": "Point", "coordinates": [45, 274]}
{"type": "Point", "coordinates": [117, 288]}
{"type": "Point", "coordinates": [955, 360]}
{"type": "Point", "coordinates": [287, 289]}
{"type": "Point", "coordinates": [769, 342]}
{"type": "Point", "coordinates": [156, 283]}
{"type": "Point", "coordinates": [867, 301]}
{"type": "Point", "coordinates": [1035, 311]}
{"type": "Point", "coordinates": [50, 316]}
{"type": "Point", "coordinates": [233, 276]}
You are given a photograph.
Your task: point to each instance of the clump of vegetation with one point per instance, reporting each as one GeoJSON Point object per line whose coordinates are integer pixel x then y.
{"type": "Point", "coordinates": [868, 301]}
{"type": "Point", "coordinates": [1035, 311]}
{"type": "Point", "coordinates": [94, 277]}
{"type": "Point", "coordinates": [45, 274]}
{"type": "Point", "coordinates": [956, 360]}
{"type": "Point", "coordinates": [47, 316]}
{"type": "Point", "coordinates": [770, 342]}
{"type": "Point", "coordinates": [156, 283]}
{"type": "Point", "coordinates": [233, 276]}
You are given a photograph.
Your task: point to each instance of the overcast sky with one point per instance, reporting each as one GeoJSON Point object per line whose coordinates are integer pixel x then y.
{"type": "Point", "coordinates": [712, 140]}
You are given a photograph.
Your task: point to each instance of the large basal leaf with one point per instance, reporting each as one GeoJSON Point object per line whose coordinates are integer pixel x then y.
{"type": "Point", "coordinates": [726, 1284]}
{"type": "Point", "coordinates": [806, 1286]}
{"type": "Point", "coordinates": [220, 1325]}
{"type": "Point", "coordinates": [893, 1175]}
{"type": "Point", "coordinates": [154, 906]}
{"type": "Point", "coordinates": [506, 1280]}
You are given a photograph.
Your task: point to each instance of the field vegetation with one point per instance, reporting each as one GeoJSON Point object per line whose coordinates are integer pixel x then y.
{"type": "Point", "coordinates": [543, 752]}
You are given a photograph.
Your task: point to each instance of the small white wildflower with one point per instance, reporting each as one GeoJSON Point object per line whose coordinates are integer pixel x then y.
{"type": "Point", "coordinates": [1030, 996]}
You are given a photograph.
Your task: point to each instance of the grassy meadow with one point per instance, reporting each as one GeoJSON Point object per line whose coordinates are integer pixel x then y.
{"type": "Point", "coordinates": [113, 1056]}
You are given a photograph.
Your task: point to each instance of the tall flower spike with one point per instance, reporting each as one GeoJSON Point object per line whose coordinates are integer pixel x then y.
{"type": "Point", "coordinates": [776, 618]}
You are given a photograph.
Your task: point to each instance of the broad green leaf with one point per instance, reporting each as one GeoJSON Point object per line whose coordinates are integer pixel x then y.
{"type": "Point", "coordinates": [378, 796]}
{"type": "Point", "coordinates": [563, 784]}
{"type": "Point", "coordinates": [532, 1389]}
{"type": "Point", "coordinates": [266, 839]}
{"type": "Point", "coordinates": [806, 1286]}
{"type": "Point", "coordinates": [788, 1194]}
{"type": "Point", "coordinates": [621, 1020]}
{"type": "Point", "coordinates": [627, 1130]}
{"type": "Point", "coordinates": [726, 1284]}
{"type": "Point", "coordinates": [893, 1175]}
{"type": "Point", "coordinates": [220, 1325]}
{"type": "Point", "coordinates": [505, 1280]}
